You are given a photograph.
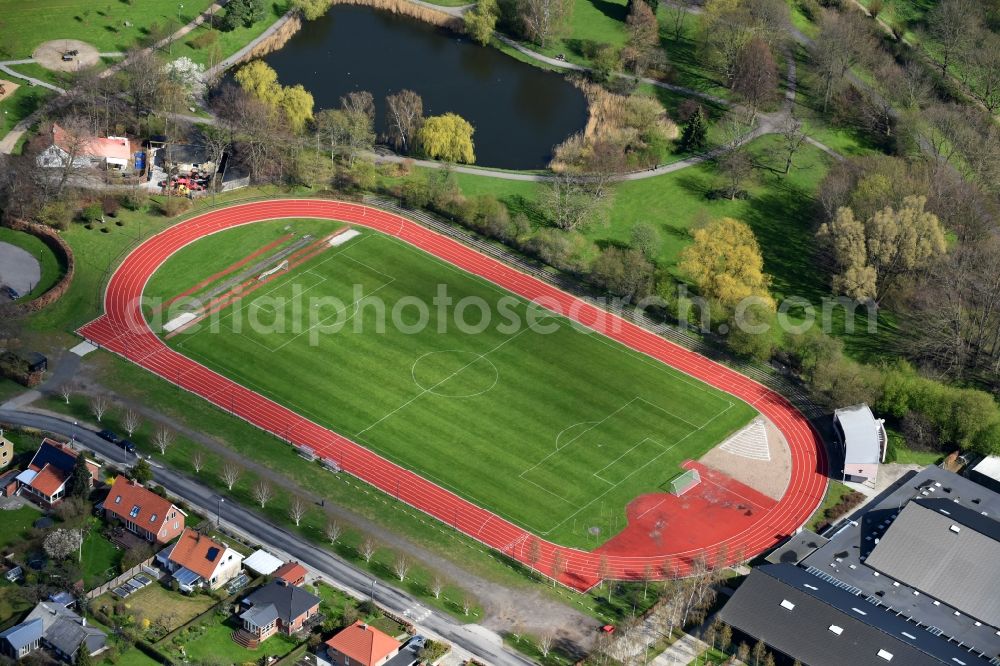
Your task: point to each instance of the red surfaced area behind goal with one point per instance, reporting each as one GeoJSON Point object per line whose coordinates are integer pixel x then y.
{"type": "Point", "coordinates": [124, 331]}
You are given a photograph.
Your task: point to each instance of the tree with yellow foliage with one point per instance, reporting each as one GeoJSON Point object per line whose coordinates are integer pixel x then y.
{"type": "Point", "coordinates": [725, 264]}
{"type": "Point", "coordinates": [295, 102]}
{"type": "Point", "coordinates": [260, 80]}
{"type": "Point", "coordinates": [872, 254]}
{"type": "Point", "coordinates": [447, 137]}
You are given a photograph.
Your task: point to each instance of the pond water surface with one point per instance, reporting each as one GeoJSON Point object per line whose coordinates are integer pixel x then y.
{"type": "Point", "coordinates": [519, 112]}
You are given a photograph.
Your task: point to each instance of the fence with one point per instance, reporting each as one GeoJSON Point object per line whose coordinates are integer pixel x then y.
{"type": "Point", "coordinates": [134, 571]}
{"type": "Point", "coordinates": [235, 184]}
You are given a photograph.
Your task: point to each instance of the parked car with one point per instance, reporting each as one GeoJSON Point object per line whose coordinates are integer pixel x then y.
{"type": "Point", "coordinates": [417, 643]}
{"type": "Point", "coordinates": [127, 446]}
{"type": "Point", "coordinates": [109, 436]}
{"type": "Point", "coordinates": [11, 293]}
{"type": "Point", "coordinates": [67, 57]}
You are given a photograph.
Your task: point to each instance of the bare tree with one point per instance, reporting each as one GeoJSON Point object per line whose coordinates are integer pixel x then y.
{"type": "Point", "coordinates": [844, 39]}
{"type": "Point", "coordinates": [952, 23]}
{"type": "Point", "coordinates": [755, 77]}
{"type": "Point", "coordinates": [72, 137]}
{"type": "Point", "coordinates": [677, 11]}
{"type": "Point", "coordinates": [647, 576]}
{"type": "Point", "coordinates": [792, 137]}
{"type": "Point", "coordinates": [198, 461]}
{"type": "Point", "coordinates": [545, 642]}
{"type": "Point", "coordinates": [359, 101]}
{"type": "Point", "coordinates": [99, 404]}
{"type": "Point", "coordinates": [334, 530]}
{"type": "Point", "coordinates": [558, 566]}
{"type": "Point", "coordinates": [401, 566]}
{"type": "Point", "coordinates": [404, 113]}
{"type": "Point", "coordinates": [437, 586]}
{"type": "Point", "coordinates": [162, 439]}
{"type": "Point", "coordinates": [231, 473]}
{"type": "Point", "coordinates": [543, 19]}
{"type": "Point", "coordinates": [297, 509]}
{"type": "Point", "coordinates": [467, 604]}
{"type": "Point", "coordinates": [368, 548]}
{"type": "Point", "coordinates": [263, 492]}
{"type": "Point", "coordinates": [604, 572]}
{"type": "Point", "coordinates": [66, 391]}
{"type": "Point", "coordinates": [131, 420]}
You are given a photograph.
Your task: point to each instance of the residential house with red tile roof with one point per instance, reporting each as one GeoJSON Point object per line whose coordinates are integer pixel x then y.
{"type": "Point", "coordinates": [290, 573]}
{"type": "Point", "coordinates": [111, 152]}
{"type": "Point", "coordinates": [197, 560]}
{"type": "Point", "coordinates": [143, 512]}
{"type": "Point", "coordinates": [48, 473]}
{"type": "Point", "coordinates": [361, 645]}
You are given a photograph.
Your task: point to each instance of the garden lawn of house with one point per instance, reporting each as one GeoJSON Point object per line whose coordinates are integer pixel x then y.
{"type": "Point", "coordinates": [571, 458]}
{"type": "Point", "coordinates": [210, 641]}
{"type": "Point", "coordinates": [160, 605]}
{"type": "Point", "coordinates": [51, 270]}
{"type": "Point", "coordinates": [16, 523]}
{"type": "Point", "coordinates": [133, 657]}
{"type": "Point", "coordinates": [25, 25]}
{"type": "Point", "coordinates": [100, 559]}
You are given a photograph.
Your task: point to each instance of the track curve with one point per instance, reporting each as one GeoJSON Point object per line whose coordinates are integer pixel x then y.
{"type": "Point", "coordinates": [123, 330]}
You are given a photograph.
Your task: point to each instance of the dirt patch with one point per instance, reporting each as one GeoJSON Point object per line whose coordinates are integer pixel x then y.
{"type": "Point", "coordinates": [50, 55]}
{"type": "Point", "coordinates": [7, 89]}
{"type": "Point", "coordinates": [769, 477]}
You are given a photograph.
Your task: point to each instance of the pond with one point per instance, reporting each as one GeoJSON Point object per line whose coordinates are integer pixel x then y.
{"type": "Point", "coordinates": [519, 112]}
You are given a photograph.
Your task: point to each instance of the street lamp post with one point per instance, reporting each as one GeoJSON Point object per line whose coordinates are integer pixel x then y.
{"type": "Point", "coordinates": [372, 593]}
{"type": "Point", "coordinates": [218, 517]}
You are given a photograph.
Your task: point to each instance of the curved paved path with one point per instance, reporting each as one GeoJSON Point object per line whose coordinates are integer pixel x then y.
{"type": "Point", "coordinates": [123, 330]}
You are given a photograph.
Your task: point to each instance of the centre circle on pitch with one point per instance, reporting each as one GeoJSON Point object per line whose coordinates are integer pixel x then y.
{"type": "Point", "coordinates": [454, 373]}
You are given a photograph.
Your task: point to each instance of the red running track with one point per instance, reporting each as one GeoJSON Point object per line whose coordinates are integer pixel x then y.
{"type": "Point", "coordinates": [123, 330]}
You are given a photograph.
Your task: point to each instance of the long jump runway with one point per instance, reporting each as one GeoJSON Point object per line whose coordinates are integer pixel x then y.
{"type": "Point", "coordinates": [123, 330]}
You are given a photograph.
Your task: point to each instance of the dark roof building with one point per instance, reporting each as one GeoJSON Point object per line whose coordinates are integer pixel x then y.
{"type": "Point", "coordinates": [822, 624]}
{"type": "Point", "coordinates": [21, 639]}
{"type": "Point", "coordinates": [946, 551]}
{"type": "Point", "coordinates": [847, 559]}
{"type": "Point", "coordinates": [57, 627]}
{"type": "Point", "coordinates": [277, 607]}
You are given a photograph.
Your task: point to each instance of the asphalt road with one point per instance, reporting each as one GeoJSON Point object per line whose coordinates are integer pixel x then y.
{"type": "Point", "coordinates": [478, 642]}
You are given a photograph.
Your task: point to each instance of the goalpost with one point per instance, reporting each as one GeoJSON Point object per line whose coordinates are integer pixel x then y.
{"type": "Point", "coordinates": [684, 482]}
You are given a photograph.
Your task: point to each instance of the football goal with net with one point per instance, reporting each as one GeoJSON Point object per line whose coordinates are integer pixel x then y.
{"type": "Point", "coordinates": [684, 482]}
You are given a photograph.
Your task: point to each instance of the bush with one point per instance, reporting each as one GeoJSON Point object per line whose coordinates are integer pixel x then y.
{"type": "Point", "coordinates": [92, 213]}
{"type": "Point", "coordinates": [172, 206]}
{"type": "Point", "coordinates": [110, 205]}
{"type": "Point", "coordinates": [136, 199]}
{"type": "Point", "coordinates": [204, 39]}
{"type": "Point", "coordinates": [56, 214]}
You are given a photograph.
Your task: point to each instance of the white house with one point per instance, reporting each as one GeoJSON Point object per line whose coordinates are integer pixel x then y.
{"type": "Point", "coordinates": [864, 440]}
{"type": "Point", "coordinates": [197, 560]}
{"type": "Point", "coordinates": [112, 152]}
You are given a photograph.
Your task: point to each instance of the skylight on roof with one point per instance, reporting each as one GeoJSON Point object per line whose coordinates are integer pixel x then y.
{"type": "Point", "coordinates": [152, 518]}
{"type": "Point", "coordinates": [787, 605]}
{"type": "Point", "coordinates": [955, 528]}
{"type": "Point", "coordinates": [885, 654]}
{"type": "Point", "coordinates": [118, 499]}
{"type": "Point", "coordinates": [837, 630]}
{"type": "Point", "coordinates": [135, 511]}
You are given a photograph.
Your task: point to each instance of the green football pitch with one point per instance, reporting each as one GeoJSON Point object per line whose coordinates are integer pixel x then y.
{"type": "Point", "coordinates": [549, 425]}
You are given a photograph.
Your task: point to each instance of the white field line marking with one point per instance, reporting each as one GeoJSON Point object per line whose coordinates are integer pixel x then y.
{"type": "Point", "coordinates": [424, 391]}
{"type": "Point", "coordinates": [638, 469]}
{"type": "Point", "coordinates": [633, 448]}
{"type": "Point", "coordinates": [573, 439]}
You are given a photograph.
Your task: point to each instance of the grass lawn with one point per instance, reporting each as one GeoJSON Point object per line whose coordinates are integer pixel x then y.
{"type": "Point", "coordinates": [209, 641]}
{"type": "Point", "coordinates": [228, 42]}
{"type": "Point", "coordinates": [25, 25]}
{"type": "Point", "coordinates": [132, 657]}
{"type": "Point", "coordinates": [100, 559]}
{"type": "Point", "coordinates": [21, 104]}
{"type": "Point", "coordinates": [709, 656]}
{"type": "Point", "coordinates": [835, 491]}
{"type": "Point", "coordinates": [34, 70]}
{"type": "Point", "coordinates": [50, 267]}
{"type": "Point", "coordinates": [15, 524]}
{"type": "Point", "coordinates": [898, 452]}
{"type": "Point", "coordinates": [12, 602]}
{"type": "Point", "coordinates": [158, 604]}
{"type": "Point", "coordinates": [572, 459]}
